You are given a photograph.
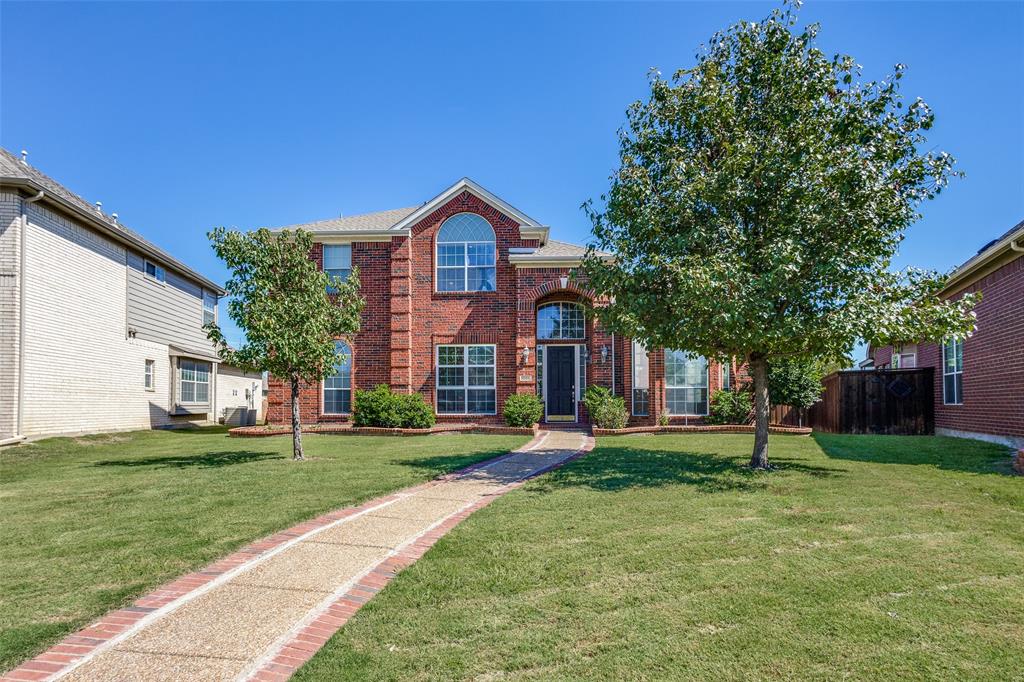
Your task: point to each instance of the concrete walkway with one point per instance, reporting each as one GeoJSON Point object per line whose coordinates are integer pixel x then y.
{"type": "Point", "coordinates": [261, 615]}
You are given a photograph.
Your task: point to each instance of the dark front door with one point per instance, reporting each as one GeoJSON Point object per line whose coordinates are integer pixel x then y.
{"type": "Point", "coordinates": [560, 380]}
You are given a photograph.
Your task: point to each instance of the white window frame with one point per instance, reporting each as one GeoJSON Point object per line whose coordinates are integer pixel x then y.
{"type": "Point", "coordinates": [323, 383]}
{"type": "Point", "coordinates": [706, 387]}
{"type": "Point", "coordinates": [465, 267]}
{"type": "Point", "coordinates": [149, 378]}
{"type": "Point", "coordinates": [726, 376]}
{"type": "Point", "coordinates": [341, 273]}
{"type": "Point", "coordinates": [465, 387]}
{"type": "Point", "coordinates": [159, 273]}
{"type": "Point", "coordinates": [182, 382]}
{"type": "Point", "coordinates": [212, 311]}
{"type": "Point", "coordinates": [562, 305]}
{"type": "Point", "coordinates": [637, 346]}
{"type": "Point", "coordinates": [958, 396]}
{"type": "Point", "coordinates": [899, 358]}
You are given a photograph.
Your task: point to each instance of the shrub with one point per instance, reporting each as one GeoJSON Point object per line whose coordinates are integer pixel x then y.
{"type": "Point", "coordinates": [416, 413]}
{"type": "Point", "coordinates": [606, 411]}
{"type": "Point", "coordinates": [523, 410]}
{"type": "Point", "coordinates": [663, 419]}
{"type": "Point", "coordinates": [384, 408]}
{"type": "Point", "coordinates": [729, 407]}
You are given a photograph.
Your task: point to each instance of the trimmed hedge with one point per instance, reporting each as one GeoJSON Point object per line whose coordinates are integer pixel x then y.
{"type": "Point", "coordinates": [382, 407]}
{"type": "Point", "coordinates": [606, 410]}
{"type": "Point", "coordinates": [523, 410]}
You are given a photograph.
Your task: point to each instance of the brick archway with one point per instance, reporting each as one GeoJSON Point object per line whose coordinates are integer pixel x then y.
{"type": "Point", "coordinates": [553, 286]}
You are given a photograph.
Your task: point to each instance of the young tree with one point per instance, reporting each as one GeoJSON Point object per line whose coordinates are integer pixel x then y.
{"type": "Point", "coordinates": [796, 381]}
{"type": "Point", "coordinates": [760, 199]}
{"type": "Point", "coordinates": [280, 299]}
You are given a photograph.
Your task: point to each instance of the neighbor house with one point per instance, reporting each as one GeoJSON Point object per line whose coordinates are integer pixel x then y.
{"type": "Point", "coordinates": [99, 328]}
{"type": "Point", "coordinates": [469, 301]}
{"type": "Point", "coordinates": [979, 381]}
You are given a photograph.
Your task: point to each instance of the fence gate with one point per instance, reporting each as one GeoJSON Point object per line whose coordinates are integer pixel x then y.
{"type": "Point", "coordinates": [890, 401]}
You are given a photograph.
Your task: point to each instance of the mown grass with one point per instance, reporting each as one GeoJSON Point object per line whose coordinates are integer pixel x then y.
{"type": "Point", "coordinates": [662, 557]}
{"type": "Point", "coordinates": [90, 523]}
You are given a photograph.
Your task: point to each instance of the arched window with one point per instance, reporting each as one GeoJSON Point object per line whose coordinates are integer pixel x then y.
{"type": "Point", "coordinates": [465, 254]}
{"type": "Point", "coordinates": [686, 383]}
{"type": "Point", "coordinates": [338, 386]}
{"type": "Point", "coordinates": [561, 320]}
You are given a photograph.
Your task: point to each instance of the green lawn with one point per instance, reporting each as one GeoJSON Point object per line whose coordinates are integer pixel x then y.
{"type": "Point", "coordinates": [662, 557]}
{"type": "Point", "coordinates": [90, 523]}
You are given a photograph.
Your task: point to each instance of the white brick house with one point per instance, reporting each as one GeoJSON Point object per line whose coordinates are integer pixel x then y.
{"type": "Point", "coordinates": [99, 329]}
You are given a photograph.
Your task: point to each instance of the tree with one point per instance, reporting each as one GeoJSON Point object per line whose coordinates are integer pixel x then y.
{"type": "Point", "coordinates": [280, 299]}
{"type": "Point", "coordinates": [760, 199]}
{"type": "Point", "coordinates": [796, 381]}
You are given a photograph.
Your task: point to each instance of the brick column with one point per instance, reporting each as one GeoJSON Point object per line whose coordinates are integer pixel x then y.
{"type": "Point", "coordinates": [526, 337]}
{"type": "Point", "coordinates": [401, 315]}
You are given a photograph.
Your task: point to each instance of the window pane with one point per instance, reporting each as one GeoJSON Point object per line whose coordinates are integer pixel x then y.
{"type": "Point", "coordinates": [451, 279]}
{"type": "Point", "coordinates": [188, 392]}
{"type": "Point", "coordinates": [540, 370]}
{"type": "Point", "coordinates": [481, 355]}
{"type": "Point", "coordinates": [202, 371]}
{"type": "Point", "coordinates": [481, 279]}
{"type": "Point", "coordinates": [337, 401]}
{"type": "Point", "coordinates": [959, 386]}
{"type": "Point", "coordinates": [547, 319]}
{"type": "Point", "coordinates": [202, 393]}
{"type": "Point", "coordinates": [450, 355]}
{"type": "Point", "coordinates": [641, 398]}
{"type": "Point", "coordinates": [641, 376]}
{"type": "Point", "coordinates": [451, 401]}
{"type": "Point", "coordinates": [481, 376]}
{"type": "Point", "coordinates": [959, 346]}
{"type": "Point", "coordinates": [949, 389]}
{"type": "Point", "coordinates": [480, 254]}
{"type": "Point", "coordinates": [337, 257]}
{"type": "Point", "coordinates": [450, 376]}
{"type": "Point", "coordinates": [450, 255]}
{"type": "Point", "coordinates": [465, 227]}
{"type": "Point", "coordinates": [480, 401]}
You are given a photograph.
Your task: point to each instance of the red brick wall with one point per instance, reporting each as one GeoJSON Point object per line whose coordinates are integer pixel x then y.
{"type": "Point", "coordinates": [993, 360]}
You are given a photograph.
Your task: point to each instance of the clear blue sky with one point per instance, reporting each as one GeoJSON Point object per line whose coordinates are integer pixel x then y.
{"type": "Point", "coordinates": [184, 116]}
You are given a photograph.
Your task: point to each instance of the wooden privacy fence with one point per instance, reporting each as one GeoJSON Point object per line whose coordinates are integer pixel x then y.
{"type": "Point", "coordinates": [890, 401]}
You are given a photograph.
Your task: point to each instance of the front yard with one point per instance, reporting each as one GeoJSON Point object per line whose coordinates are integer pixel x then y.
{"type": "Point", "coordinates": [661, 557]}
{"type": "Point", "coordinates": [89, 523]}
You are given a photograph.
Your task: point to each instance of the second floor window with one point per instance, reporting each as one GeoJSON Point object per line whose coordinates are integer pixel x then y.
{"type": "Point", "coordinates": [465, 254]}
{"type": "Point", "coordinates": [337, 261]}
{"type": "Point", "coordinates": [154, 271]}
{"type": "Point", "coordinates": [209, 308]}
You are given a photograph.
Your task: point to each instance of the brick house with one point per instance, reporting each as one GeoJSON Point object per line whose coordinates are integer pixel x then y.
{"type": "Point", "coordinates": [979, 382]}
{"type": "Point", "coordinates": [468, 301]}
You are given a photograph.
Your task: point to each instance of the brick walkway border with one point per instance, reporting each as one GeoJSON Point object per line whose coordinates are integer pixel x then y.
{"type": "Point", "coordinates": [309, 637]}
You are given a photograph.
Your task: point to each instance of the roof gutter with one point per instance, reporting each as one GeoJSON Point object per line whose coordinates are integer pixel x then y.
{"type": "Point", "coordinates": [19, 426]}
{"type": "Point", "coordinates": [979, 261]}
{"type": "Point", "coordinates": [120, 237]}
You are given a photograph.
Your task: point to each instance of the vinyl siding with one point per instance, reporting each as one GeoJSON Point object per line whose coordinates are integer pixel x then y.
{"type": "Point", "coordinates": [170, 312]}
{"type": "Point", "coordinates": [10, 254]}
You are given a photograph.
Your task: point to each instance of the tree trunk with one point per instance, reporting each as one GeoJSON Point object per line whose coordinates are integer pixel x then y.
{"type": "Point", "coordinates": [759, 370]}
{"type": "Point", "coordinates": [296, 423]}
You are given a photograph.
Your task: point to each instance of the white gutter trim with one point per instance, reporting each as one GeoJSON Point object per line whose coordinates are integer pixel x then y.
{"type": "Point", "coordinates": [979, 260]}
{"type": "Point", "coordinates": [1015, 246]}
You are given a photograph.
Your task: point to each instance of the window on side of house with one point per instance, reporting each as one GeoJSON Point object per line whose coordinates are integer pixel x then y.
{"type": "Point", "coordinates": [338, 386]}
{"type": "Point", "coordinates": [953, 372]}
{"type": "Point", "coordinates": [686, 383]}
{"type": "Point", "coordinates": [194, 382]}
{"type": "Point", "coordinates": [466, 382]}
{"type": "Point", "coordinates": [154, 271]}
{"type": "Point", "coordinates": [465, 257]}
{"type": "Point", "coordinates": [641, 381]}
{"type": "Point", "coordinates": [209, 307]}
{"type": "Point", "coordinates": [338, 261]}
{"type": "Point", "coordinates": [560, 321]}
{"type": "Point", "coordinates": [149, 378]}
{"type": "Point", "coordinates": [726, 376]}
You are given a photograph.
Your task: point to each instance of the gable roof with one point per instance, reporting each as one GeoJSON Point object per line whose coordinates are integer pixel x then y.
{"type": "Point", "coordinates": [16, 173]}
{"type": "Point", "coordinates": [378, 221]}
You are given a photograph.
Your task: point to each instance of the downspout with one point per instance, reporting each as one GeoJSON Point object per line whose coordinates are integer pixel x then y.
{"type": "Point", "coordinates": [21, 311]}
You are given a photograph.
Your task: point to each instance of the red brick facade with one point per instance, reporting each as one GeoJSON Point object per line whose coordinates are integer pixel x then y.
{"type": "Point", "coordinates": [405, 319]}
{"type": "Point", "coordinates": [993, 361]}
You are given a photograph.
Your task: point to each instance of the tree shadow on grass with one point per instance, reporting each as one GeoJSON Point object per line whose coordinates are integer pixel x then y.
{"type": "Point", "coordinates": [615, 469]}
{"type": "Point", "coordinates": [439, 465]}
{"type": "Point", "coordinates": [205, 460]}
{"type": "Point", "coordinates": [951, 454]}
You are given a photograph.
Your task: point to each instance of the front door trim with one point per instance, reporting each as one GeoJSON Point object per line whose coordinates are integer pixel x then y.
{"type": "Point", "coordinates": [575, 376]}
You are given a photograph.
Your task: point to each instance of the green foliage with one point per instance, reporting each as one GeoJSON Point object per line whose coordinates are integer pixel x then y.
{"type": "Point", "coordinates": [523, 410]}
{"type": "Point", "coordinates": [606, 410]}
{"type": "Point", "coordinates": [384, 408]}
{"type": "Point", "coordinates": [663, 419]}
{"type": "Point", "coordinates": [279, 299]}
{"type": "Point", "coordinates": [416, 413]}
{"type": "Point", "coordinates": [796, 381]}
{"type": "Point", "coordinates": [761, 197]}
{"type": "Point", "coordinates": [730, 407]}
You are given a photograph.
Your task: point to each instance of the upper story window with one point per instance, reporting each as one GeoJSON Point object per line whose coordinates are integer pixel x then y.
{"type": "Point", "coordinates": [904, 357]}
{"type": "Point", "coordinates": [209, 307]}
{"type": "Point", "coordinates": [465, 254]}
{"type": "Point", "coordinates": [686, 383]}
{"type": "Point", "coordinates": [338, 261]}
{"type": "Point", "coordinates": [155, 271]}
{"type": "Point", "coordinates": [560, 320]}
{"type": "Point", "coordinates": [953, 372]}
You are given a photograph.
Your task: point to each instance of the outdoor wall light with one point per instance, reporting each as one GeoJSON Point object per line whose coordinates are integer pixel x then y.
{"type": "Point", "coordinates": [604, 354]}
{"type": "Point", "coordinates": [526, 355]}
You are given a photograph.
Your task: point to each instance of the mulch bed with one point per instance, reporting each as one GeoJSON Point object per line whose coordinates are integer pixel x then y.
{"type": "Point", "coordinates": [348, 430]}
